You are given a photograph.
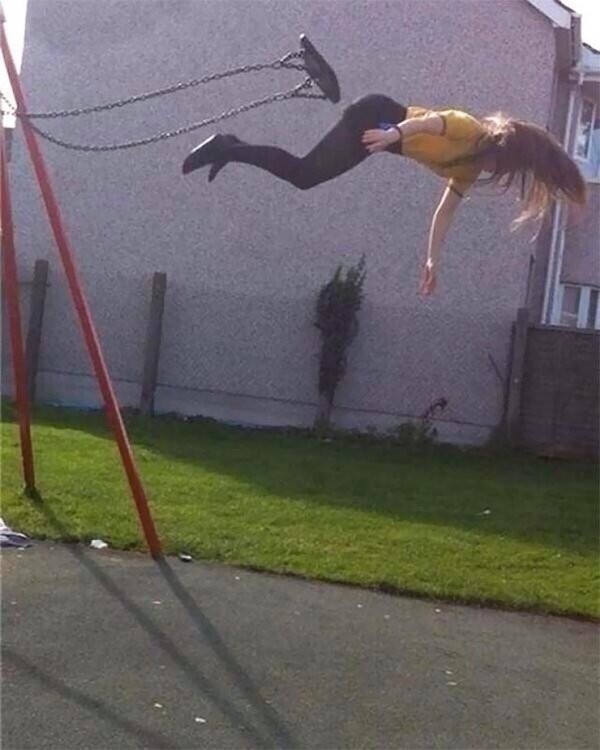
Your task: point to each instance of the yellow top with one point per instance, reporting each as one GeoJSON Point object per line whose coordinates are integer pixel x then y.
{"type": "Point", "coordinates": [460, 137]}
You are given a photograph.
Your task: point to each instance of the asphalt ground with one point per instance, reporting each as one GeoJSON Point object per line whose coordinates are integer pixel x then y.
{"type": "Point", "coordinates": [114, 650]}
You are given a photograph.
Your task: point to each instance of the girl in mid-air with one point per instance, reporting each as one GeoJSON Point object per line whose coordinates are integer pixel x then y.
{"type": "Point", "coordinates": [455, 145]}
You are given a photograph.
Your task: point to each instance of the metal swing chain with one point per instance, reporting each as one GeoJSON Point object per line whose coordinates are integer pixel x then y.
{"type": "Point", "coordinates": [284, 63]}
{"type": "Point", "coordinates": [295, 92]}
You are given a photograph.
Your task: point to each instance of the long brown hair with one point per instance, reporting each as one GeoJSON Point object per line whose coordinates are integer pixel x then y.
{"type": "Point", "coordinates": [530, 154]}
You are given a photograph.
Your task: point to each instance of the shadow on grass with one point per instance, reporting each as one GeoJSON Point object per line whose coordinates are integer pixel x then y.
{"type": "Point", "coordinates": [273, 732]}
{"type": "Point", "coordinates": [539, 502]}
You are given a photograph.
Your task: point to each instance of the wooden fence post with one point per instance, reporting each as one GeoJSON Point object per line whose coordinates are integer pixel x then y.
{"type": "Point", "coordinates": [516, 373]}
{"type": "Point", "coordinates": [34, 328]}
{"type": "Point", "coordinates": [153, 339]}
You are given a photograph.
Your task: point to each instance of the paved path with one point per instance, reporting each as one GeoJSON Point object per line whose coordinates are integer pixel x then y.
{"type": "Point", "coordinates": [110, 650]}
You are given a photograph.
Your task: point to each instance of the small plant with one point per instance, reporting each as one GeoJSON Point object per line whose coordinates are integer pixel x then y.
{"type": "Point", "coordinates": [427, 430]}
{"type": "Point", "coordinates": [338, 304]}
{"type": "Point", "coordinates": [423, 431]}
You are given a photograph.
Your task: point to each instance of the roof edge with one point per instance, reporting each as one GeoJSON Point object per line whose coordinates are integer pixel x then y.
{"type": "Point", "coordinates": [556, 12]}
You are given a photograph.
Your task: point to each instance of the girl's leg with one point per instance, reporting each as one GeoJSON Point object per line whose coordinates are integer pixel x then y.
{"type": "Point", "coordinates": [340, 150]}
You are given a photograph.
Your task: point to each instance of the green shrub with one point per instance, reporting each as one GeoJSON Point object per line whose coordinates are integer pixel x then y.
{"type": "Point", "coordinates": [336, 318]}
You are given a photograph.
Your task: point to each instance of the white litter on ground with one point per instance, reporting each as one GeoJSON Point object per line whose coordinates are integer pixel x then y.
{"type": "Point", "coordinates": [10, 538]}
{"type": "Point", "coordinates": [98, 544]}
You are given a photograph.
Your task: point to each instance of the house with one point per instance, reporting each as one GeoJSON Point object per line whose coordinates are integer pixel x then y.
{"type": "Point", "coordinates": [568, 254]}
{"type": "Point", "coordinates": [245, 256]}
{"type": "Point", "coordinates": [577, 245]}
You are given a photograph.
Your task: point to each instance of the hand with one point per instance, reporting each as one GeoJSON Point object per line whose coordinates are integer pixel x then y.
{"type": "Point", "coordinates": [429, 279]}
{"type": "Point", "coordinates": [379, 140]}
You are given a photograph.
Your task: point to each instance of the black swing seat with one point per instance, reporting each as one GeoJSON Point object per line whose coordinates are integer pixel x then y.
{"type": "Point", "coordinates": [319, 70]}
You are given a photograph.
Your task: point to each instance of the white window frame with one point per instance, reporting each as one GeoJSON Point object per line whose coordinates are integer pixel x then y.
{"type": "Point", "coordinates": [584, 100]}
{"type": "Point", "coordinates": [587, 159]}
{"type": "Point", "coordinates": [584, 306]}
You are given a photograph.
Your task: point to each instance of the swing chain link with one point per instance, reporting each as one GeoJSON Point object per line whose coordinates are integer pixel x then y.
{"type": "Point", "coordinates": [283, 63]}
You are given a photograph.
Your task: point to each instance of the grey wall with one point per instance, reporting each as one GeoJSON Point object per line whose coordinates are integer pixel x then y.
{"type": "Point", "coordinates": [246, 255]}
{"type": "Point", "coordinates": [581, 264]}
{"type": "Point", "coordinates": [581, 261]}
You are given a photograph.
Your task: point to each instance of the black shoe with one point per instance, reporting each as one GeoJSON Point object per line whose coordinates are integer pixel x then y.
{"type": "Point", "coordinates": [211, 151]}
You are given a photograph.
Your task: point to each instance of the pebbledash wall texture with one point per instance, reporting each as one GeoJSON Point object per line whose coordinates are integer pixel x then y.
{"type": "Point", "coordinates": [246, 255]}
{"type": "Point", "coordinates": [582, 259]}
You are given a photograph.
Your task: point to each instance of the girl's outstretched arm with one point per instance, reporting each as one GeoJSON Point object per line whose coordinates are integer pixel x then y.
{"type": "Point", "coordinates": [440, 224]}
{"type": "Point", "coordinates": [378, 140]}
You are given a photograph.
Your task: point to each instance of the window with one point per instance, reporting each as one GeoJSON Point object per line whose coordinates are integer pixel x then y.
{"type": "Point", "coordinates": [579, 307]}
{"type": "Point", "coordinates": [584, 130]}
{"type": "Point", "coordinates": [569, 312]}
{"type": "Point", "coordinates": [592, 316]}
{"type": "Point", "coordinates": [587, 144]}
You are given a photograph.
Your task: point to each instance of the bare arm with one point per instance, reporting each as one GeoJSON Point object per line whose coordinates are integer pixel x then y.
{"type": "Point", "coordinates": [442, 219]}
{"type": "Point", "coordinates": [378, 140]}
{"type": "Point", "coordinates": [430, 123]}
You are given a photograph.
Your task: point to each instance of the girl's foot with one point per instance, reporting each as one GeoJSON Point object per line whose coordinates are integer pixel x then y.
{"type": "Point", "coordinates": [217, 166]}
{"type": "Point", "coordinates": [211, 151]}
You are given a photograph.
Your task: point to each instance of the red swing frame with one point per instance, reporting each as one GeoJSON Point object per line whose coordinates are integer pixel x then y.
{"type": "Point", "coordinates": [10, 288]}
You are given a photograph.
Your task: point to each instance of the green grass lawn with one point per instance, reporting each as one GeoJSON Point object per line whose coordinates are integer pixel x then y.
{"type": "Point", "coordinates": [376, 515]}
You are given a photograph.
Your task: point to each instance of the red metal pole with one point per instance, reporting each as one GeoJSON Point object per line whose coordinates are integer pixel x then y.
{"type": "Point", "coordinates": [80, 302]}
{"type": "Point", "coordinates": [10, 285]}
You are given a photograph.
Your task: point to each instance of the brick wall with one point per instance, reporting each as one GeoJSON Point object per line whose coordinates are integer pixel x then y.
{"type": "Point", "coordinates": [560, 394]}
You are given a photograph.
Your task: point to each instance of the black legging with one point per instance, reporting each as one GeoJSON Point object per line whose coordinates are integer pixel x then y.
{"type": "Point", "coordinates": [340, 150]}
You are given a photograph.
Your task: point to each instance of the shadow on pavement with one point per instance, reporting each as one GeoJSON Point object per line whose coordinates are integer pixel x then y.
{"type": "Point", "coordinates": [275, 732]}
